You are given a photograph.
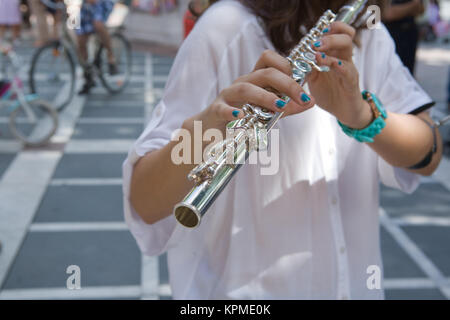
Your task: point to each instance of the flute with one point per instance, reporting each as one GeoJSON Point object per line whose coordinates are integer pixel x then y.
{"type": "Point", "coordinates": [213, 175]}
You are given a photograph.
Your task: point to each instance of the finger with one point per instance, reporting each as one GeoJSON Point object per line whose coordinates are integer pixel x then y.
{"type": "Point", "coordinates": [244, 92]}
{"type": "Point", "coordinates": [280, 82]}
{"type": "Point", "coordinates": [339, 27]}
{"type": "Point", "coordinates": [271, 59]}
{"type": "Point", "coordinates": [339, 67]}
{"type": "Point", "coordinates": [341, 45]}
{"type": "Point", "coordinates": [226, 112]}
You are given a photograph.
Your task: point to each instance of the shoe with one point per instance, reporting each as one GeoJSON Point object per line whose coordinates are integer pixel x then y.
{"type": "Point", "coordinates": [113, 70]}
{"type": "Point", "coordinates": [86, 88]}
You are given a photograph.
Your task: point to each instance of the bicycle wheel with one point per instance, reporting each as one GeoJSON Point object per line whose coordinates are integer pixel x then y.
{"type": "Point", "coordinates": [35, 123]}
{"type": "Point", "coordinates": [115, 83]}
{"type": "Point", "coordinates": [52, 74]}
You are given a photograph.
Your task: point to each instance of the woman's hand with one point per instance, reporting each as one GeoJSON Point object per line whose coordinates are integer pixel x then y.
{"type": "Point", "coordinates": [338, 91]}
{"type": "Point", "coordinates": [271, 71]}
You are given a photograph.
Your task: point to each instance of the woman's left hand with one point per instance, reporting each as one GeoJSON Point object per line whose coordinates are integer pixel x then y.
{"type": "Point", "coordinates": [338, 91]}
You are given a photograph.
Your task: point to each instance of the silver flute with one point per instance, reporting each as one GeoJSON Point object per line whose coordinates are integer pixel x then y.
{"type": "Point", "coordinates": [213, 175]}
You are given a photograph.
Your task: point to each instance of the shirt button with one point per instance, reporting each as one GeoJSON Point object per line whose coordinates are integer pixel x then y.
{"type": "Point", "coordinates": [342, 250]}
{"type": "Point", "coordinates": [331, 151]}
{"type": "Point", "coordinates": [344, 297]}
{"type": "Point", "coordinates": [334, 201]}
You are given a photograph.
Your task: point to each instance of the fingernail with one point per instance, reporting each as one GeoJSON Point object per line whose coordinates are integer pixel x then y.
{"type": "Point", "coordinates": [280, 104]}
{"type": "Point", "coordinates": [326, 30]}
{"type": "Point", "coordinates": [236, 113]}
{"type": "Point", "coordinates": [323, 55]}
{"type": "Point", "coordinates": [305, 97]}
{"type": "Point", "coordinates": [318, 44]}
{"type": "Point", "coordinates": [340, 63]}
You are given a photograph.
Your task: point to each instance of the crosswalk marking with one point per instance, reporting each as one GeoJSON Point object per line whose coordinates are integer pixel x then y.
{"type": "Point", "coordinates": [416, 254]}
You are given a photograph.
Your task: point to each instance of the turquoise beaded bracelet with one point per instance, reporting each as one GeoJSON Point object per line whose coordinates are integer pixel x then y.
{"type": "Point", "coordinates": [370, 132]}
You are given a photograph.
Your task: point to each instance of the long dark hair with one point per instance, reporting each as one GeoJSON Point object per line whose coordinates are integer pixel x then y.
{"type": "Point", "coordinates": [283, 18]}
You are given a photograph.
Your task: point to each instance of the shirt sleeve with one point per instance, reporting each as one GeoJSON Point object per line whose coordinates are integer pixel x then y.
{"type": "Point", "coordinates": [399, 92]}
{"type": "Point", "coordinates": [205, 63]}
{"type": "Point", "coordinates": [191, 87]}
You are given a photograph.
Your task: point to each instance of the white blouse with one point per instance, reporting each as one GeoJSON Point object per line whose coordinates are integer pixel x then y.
{"type": "Point", "coordinates": [309, 232]}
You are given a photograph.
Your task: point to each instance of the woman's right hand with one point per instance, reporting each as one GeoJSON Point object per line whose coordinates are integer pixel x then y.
{"type": "Point", "coordinates": [271, 71]}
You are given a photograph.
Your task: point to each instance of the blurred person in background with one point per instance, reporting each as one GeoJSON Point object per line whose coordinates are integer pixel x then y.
{"type": "Point", "coordinates": [399, 18]}
{"type": "Point", "coordinates": [93, 16]}
{"type": "Point", "coordinates": [195, 9]}
{"type": "Point", "coordinates": [38, 10]}
{"type": "Point", "coordinates": [439, 27]}
{"type": "Point", "coordinates": [10, 17]}
{"type": "Point", "coordinates": [57, 18]}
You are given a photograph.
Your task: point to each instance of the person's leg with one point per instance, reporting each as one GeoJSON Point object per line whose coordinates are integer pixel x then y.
{"type": "Point", "coordinates": [105, 39]}
{"type": "Point", "coordinates": [82, 40]}
{"type": "Point", "coordinates": [16, 32]}
{"type": "Point", "coordinates": [38, 10]}
{"type": "Point", "coordinates": [2, 32]}
{"type": "Point", "coordinates": [101, 11]}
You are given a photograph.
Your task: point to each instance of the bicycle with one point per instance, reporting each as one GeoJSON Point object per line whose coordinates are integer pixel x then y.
{"type": "Point", "coordinates": [32, 120]}
{"type": "Point", "coordinates": [55, 63]}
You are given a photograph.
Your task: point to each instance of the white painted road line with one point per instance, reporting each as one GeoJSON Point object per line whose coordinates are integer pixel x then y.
{"type": "Point", "coordinates": [78, 226]}
{"type": "Point", "coordinates": [10, 146]}
{"type": "Point", "coordinates": [24, 184]}
{"type": "Point", "coordinates": [164, 290]}
{"type": "Point", "coordinates": [99, 146]}
{"type": "Point", "coordinates": [111, 121]}
{"type": "Point", "coordinates": [86, 182]}
{"type": "Point", "coordinates": [408, 283]}
{"type": "Point", "coordinates": [149, 265]}
{"type": "Point", "coordinates": [422, 221]}
{"type": "Point", "coordinates": [21, 190]}
{"type": "Point", "coordinates": [415, 253]}
{"type": "Point", "coordinates": [64, 293]}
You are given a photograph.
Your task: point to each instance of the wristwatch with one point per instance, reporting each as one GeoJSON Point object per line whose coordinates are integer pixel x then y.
{"type": "Point", "coordinates": [375, 127]}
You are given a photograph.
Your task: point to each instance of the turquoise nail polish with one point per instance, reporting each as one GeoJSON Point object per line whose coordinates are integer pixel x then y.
{"type": "Point", "coordinates": [281, 104]}
{"type": "Point", "coordinates": [317, 44]}
{"type": "Point", "coordinates": [340, 63]}
{"type": "Point", "coordinates": [323, 55]}
{"type": "Point", "coordinates": [326, 30]}
{"type": "Point", "coordinates": [305, 97]}
{"type": "Point", "coordinates": [236, 113]}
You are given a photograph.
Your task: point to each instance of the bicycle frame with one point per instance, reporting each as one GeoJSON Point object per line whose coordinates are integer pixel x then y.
{"type": "Point", "coordinates": [15, 92]}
